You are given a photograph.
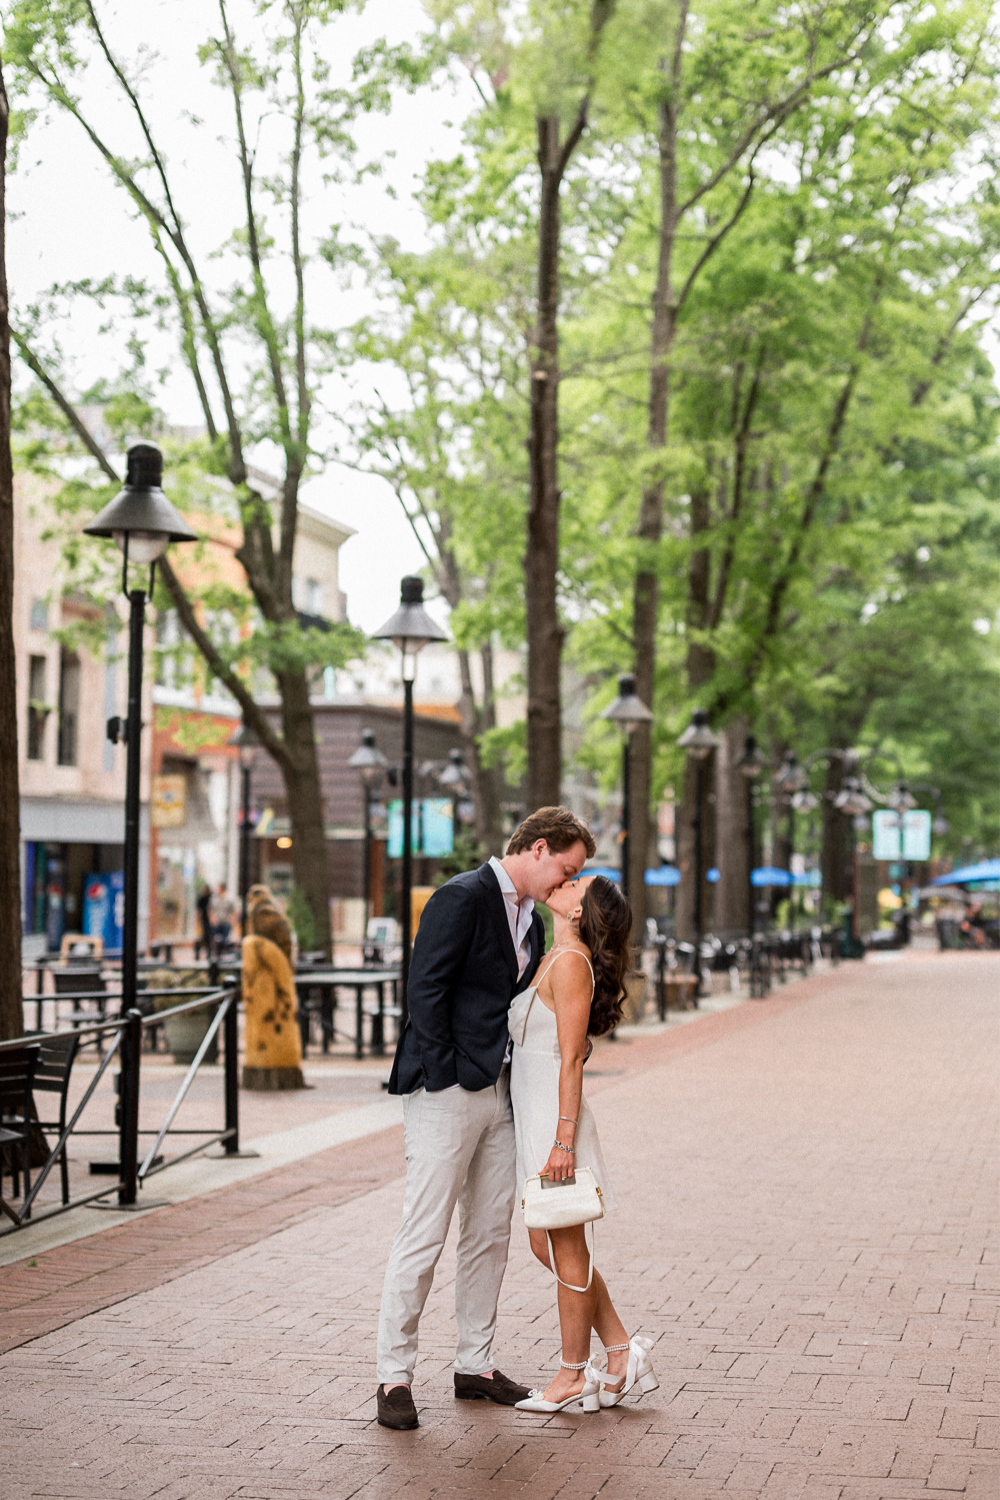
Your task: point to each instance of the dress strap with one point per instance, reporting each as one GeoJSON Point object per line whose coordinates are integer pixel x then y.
{"type": "Point", "coordinates": [559, 956]}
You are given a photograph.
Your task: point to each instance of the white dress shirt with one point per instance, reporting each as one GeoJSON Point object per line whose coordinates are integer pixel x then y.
{"type": "Point", "coordinates": [519, 911]}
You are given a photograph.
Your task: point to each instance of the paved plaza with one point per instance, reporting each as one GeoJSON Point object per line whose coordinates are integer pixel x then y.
{"type": "Point", "coordinates": [807, 1230]}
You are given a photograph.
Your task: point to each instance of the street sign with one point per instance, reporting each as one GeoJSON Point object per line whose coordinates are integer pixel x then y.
{"type": "Point", "coordinates": [901, 835]}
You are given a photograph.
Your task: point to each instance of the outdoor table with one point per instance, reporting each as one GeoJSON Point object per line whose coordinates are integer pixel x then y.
{"type": "Point", "coordinates": [327, 981]}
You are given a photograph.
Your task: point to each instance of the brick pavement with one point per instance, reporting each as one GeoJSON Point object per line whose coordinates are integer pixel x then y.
{"type": "Point", "coordinates": [808, 1207]}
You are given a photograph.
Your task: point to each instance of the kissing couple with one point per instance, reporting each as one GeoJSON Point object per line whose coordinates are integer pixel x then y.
{"type": "Point", "coordinates": [490, 1067]}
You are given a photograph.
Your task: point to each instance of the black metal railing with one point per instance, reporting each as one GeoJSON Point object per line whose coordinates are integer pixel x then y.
{"type": "Point", "coordinates": [126, 1042]}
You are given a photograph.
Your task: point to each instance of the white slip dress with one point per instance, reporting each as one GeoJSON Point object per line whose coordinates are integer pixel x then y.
{"type": "Point", "coordinates": [534, 1092]}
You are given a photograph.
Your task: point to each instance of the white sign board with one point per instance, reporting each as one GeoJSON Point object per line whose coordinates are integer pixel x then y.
{"type": "Point", "coordinates": [917, 835]}
{"type": "Point", "coordinates": [898, 836]}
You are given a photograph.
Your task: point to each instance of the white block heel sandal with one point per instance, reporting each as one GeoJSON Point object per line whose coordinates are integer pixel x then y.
{"type": "Point", "coordinates": [590, 1395]}
{"type": "Point", "coordinates": [640, 1371]}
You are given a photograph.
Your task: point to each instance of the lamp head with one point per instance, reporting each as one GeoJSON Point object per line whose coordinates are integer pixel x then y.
{"type": "Point", "coordinates": [628, 709]}
{"type": "Point", "coordinates": [698, 738]}
{"type": "Point", "coordinates": [901, 798]}
{"type": "Point", "coordinates": [411, 627]}
{"type": "Point", "coordinates": [455, 773]}
{"type": "Point", "coordinates": [247, 742]}
{"type": "Point", "coordinates": [751, 762]}
{"type": "Point", "coordinates": [852, 798]}
{"type": "Point", "coordinates": [368, 760]}
{"type": "Point", "coordinates": [792, 777]}
{"type": "Point", "coordinates": [140, 519]}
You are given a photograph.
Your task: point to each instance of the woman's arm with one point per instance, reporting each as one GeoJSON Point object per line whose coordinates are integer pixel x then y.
{"type": "Point", "coordinates": [571, 990]}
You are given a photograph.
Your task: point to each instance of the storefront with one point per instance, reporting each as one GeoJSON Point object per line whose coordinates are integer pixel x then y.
{"type": "Point", "coordinates": [71, 871]}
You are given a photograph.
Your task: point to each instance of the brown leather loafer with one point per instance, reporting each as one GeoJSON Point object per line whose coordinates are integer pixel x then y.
{"type": "Point", "coordinates": [482, 1388]}
{"type": "Point", "coordinates": [396, 1409]}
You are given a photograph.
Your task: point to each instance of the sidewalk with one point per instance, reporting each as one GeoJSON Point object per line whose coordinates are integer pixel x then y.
{"type": "Point", "coordinates": [807, 1190]}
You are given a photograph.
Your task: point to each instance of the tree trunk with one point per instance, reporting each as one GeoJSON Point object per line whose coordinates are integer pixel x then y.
{"type": "Point", "coordinates": [685, 835]}
{"type": "Point", "coordinates": [646, 597]}
{"type": "Point", "coordinates": [541, 560]}
{"type": "Point", "coordinates": [11, 1008]}
{"type": "Point", "coordinates": [732, 894]}
{"type": "Point", "coordinates": [476, 720]}
{"type": "Point", "coordinates": [835, 856]}
{"type": "Point", "coordinates": [310, 862]}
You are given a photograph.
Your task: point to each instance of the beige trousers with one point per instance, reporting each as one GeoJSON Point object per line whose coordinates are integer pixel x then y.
{"type": "Point", "coordinates": [459, 1149]}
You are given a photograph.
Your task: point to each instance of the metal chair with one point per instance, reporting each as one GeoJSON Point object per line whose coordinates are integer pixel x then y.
{"type": "Point", "coordinates": [56, 1056]}
{"type": "Point", "coordinates": [82, 981]}
{"type": "Point", "coordinates": [17, 1070]}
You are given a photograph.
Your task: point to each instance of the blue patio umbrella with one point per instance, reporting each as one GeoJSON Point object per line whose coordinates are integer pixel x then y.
{"type": "Point", "coordinates": [987, 869]}
{"type": "Point", "coordinates": [665, 875]}
{"type": "Point", "coordinates": [770, 875]}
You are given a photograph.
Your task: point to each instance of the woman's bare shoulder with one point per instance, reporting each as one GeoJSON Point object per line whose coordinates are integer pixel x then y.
{"type": "Point", "coordinates": [566, 979]}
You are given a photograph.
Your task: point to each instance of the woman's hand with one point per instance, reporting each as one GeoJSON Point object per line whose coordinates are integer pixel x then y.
{"type": "Point", "coordinates": [560, 1166]}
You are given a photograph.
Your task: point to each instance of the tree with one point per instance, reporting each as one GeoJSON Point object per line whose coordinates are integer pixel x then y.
{"type": "Point", "coordinates": [819, 299]}
{"type": "Point", "coordinates": [11, 1007]}
{"type": "Point", "coordinates": [256, 359]}
{"type": "Point", "coordinates": [544, 68]}
{"type": "Point", "coordinates": [451, 446]}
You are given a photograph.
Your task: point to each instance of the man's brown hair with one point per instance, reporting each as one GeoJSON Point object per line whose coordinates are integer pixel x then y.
{"type": "Point", "coordinates": [557, 826]}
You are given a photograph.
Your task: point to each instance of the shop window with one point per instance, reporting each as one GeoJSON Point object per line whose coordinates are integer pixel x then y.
{"type": "Point", "coordinates": [69, 707]}
{"type": "Point", "coordinates": [38, 709]}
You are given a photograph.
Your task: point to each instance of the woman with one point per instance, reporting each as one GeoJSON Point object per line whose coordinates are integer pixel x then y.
{"type": "Point", "coordinates": [576, 993]}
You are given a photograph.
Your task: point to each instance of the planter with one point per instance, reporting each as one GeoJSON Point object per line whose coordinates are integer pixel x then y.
{"type": "Point", "coordinates": [185, 1034]}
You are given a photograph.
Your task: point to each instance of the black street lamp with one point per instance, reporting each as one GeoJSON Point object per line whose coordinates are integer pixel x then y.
{"type": "Point", "coordinates": [792, 781]}
{"type": "Point", "coordinates": [627, 711]}
{"type": "Point", "coordinates": [456, 777]}
{"type": "Point", "coordinates": [699, 742]}
{"type": "Point", "coordinates": [410, 628]}
{"type": "Point", "coordinates": [142, 523]}
{"type": "Point", "coordinates": [247, 743]}
{"type": "Point", "coordinates": [853, 801]}
{"type": "Point", "coordinates": [370, 764]}
{"type": "Point", "coordinates": [750, 765]}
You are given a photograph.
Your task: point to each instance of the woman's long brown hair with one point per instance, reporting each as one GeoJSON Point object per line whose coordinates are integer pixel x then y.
{"type": "Point", "coordinates": [606, 928]}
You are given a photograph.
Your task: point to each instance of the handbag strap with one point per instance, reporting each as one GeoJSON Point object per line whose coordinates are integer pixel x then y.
{"type": "Point", "coordinates": [590, 1273]}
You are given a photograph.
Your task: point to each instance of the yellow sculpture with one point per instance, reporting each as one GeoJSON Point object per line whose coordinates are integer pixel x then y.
{"type": "Point", "coordinates": [273, 1047]}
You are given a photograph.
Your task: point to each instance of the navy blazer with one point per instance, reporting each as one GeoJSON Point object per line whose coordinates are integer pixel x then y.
{"type": "Point", "coordinates": [463, 976]}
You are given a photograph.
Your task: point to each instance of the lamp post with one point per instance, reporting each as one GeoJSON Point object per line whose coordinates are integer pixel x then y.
{"type": "Point", "coordinates": [247, 743]}
{"type": "Point", "coordinates": [792, 780]}
{"type": "Point", "coordinates": [750, 765]}
{"type": "Point", "coordinates": [410, 628]}
{"type": "Point", "coordinates": [370, 764]}
{"type": "Point", "coordinates": [699, 742]}
{"type": "Point", "coordinates": [455, 777]}
{"type": "Point", "coordinates": [142, 523]}
{"type": "Point", "coordinates": [627, 711]}
{"type": "Point", "coordinates": [854, 802]}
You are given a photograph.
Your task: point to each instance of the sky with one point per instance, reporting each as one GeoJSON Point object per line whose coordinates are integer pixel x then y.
{"type": "Point", "coordinates": [68, 222]}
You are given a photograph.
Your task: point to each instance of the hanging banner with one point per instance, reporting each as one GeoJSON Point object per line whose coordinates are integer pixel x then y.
{"type": "Point", "coordinates": [169, 801]}
{"type": "Point", "coordinates": [901, 835]}
{"type": "Point", "coordinates": [432, 828]}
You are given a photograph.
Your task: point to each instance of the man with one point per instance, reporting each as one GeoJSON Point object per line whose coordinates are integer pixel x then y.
{"type": "Point", "coordinates": [223, 911]}
{"type": "Point", "coordinates": [479, 943]}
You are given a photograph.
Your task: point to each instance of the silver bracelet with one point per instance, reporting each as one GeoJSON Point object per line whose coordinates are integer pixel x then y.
{"type": "Point", "coordinates": [568, 1149]}
{"type": "Point", "coordinates": [569, 1119]}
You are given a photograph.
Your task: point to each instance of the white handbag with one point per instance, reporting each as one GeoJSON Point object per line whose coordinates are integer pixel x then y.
{"type": "Point", "coordinates": [562, 1205]}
